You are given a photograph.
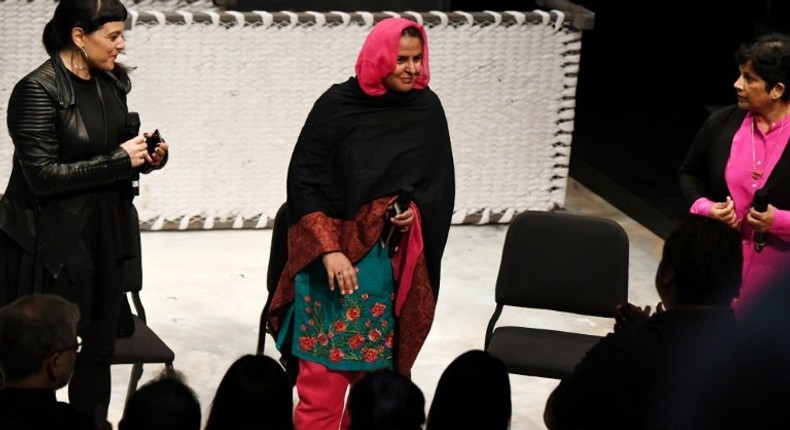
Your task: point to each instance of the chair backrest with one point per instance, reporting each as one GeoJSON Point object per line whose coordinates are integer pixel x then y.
{"type": "Point", "coordinates": [278, 256]}
{"type": "Point", "coordinates": [564, 262]}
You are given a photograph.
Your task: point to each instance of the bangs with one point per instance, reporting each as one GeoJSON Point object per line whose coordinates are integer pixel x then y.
{"type": "Point", "coordinates": [109, 11]}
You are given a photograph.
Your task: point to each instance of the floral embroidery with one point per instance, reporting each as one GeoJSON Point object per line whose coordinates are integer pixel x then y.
{"type": "Point", "coordinates": [362, 332]}
{"type": "Point", "coordinates": [353, 313]}
{"type": "Point", "coordinates": [378, 310]}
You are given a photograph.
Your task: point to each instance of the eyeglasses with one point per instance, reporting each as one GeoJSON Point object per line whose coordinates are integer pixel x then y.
{"type": "Point", "coordinates": [77, 347]}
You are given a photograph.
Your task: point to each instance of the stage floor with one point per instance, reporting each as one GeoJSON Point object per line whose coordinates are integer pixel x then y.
{"type": "Point", "coordinates": [204, 291]}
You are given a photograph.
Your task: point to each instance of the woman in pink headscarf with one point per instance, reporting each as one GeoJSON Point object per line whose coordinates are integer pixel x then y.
{"type": "Point", "coordinates": [359, 288]}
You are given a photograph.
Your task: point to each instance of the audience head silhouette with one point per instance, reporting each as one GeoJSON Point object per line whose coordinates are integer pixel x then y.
{"type": "Point", "coordinates": [255, 393]}
{"type": "Point", "coordinates": [701, 264]}
{"type": "Point", "coordinates": [164, 403]}
{"type": "Point", "coordinates": [473, 392]}
{"type": "Point", "coordinates": [386, 400]}
{"type": "Point", "coordinates": [38, 341]}
{"type": "Point", "coordinates": [38, 352]}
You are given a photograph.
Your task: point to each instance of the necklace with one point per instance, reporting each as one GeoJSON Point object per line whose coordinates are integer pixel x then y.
{"type": "Point", "coordinates": [756, 174]}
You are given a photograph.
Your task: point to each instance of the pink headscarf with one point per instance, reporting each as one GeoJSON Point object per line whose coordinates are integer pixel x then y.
{"type": "Point", "coordinates": [379, 55]}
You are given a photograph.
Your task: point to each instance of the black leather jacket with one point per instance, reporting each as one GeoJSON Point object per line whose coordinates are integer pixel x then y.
{"type": "Point", "coordinates": [51, 189]}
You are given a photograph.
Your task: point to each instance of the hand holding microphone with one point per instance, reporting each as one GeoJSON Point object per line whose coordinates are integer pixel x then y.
{"type": "Point", "coordinates": [759, 204]}
{"type": "Point", "coordinates": [403, 218]}
{"type": "Point", "coordinates": [400, 208]}
{"type": "Point", "coordinates": [135, 147]}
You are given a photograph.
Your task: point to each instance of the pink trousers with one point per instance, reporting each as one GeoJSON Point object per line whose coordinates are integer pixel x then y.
{"type": "Point", "coordinates": [322, 397]}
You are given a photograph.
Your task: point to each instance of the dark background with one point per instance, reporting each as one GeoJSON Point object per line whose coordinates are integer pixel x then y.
{"type": "Point", "coordinates": [648, 78]}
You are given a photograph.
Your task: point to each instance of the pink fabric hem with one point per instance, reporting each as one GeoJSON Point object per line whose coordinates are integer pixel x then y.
{"type": "Point", "coordinates": [405, 259]}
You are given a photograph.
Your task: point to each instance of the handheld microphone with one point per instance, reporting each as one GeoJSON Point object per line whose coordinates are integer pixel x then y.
{"type": "Point", "coordinates": [401, 204]}
{"type": "Point", "coordinates": [404, 199]}
{"type": "Point", "coordinates": [760, 204]}
{"type": "Point", "coordinates": [132, 124]}
{"type": "Point", "coordinates": [133, 128]}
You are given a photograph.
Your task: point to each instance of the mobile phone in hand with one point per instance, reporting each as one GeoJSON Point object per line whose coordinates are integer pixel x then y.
{"type": "Point", "coordinates": [153, 140]}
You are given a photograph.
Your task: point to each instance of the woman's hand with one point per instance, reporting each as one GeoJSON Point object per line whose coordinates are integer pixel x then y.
{"type": "Point", "coordinates": [137, 150]}
{"type": "Point", "coordinates": [339, 268]}
{"type": "Point", "coordinates": [761, 221]}
{"type": "Point", "coordinates": [159, 154]}
{"type": "Point", "coordinates": [725, 212]}
{"type": "Point", "coordinates": [403, 220]}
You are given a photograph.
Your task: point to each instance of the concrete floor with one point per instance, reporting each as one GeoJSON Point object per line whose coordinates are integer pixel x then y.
{"type": "Point", "coordinates": [204, 291]}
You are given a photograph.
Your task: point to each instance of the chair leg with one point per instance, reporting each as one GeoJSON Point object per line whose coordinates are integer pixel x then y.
{"type": "Point", "coordinates": [137, 373]}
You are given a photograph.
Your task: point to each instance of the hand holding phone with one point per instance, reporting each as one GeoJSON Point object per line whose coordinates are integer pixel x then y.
{"type": "Point", "coordinates": [153, 141]}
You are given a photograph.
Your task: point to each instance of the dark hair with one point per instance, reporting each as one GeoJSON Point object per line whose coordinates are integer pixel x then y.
{"type": "Point", "coordinates": [705, 260]}
{"type": "Point", "coordinates": [386, 400]}
{"type": "Point", "coordinates": [164, 403]}
{"type": "Point", "coordinates": [32, 328]}
{"type": "Point", "coordinates": [89, 15]}
{"type": "Point", "coordinates": [254, 393]}
{"type": "Point", "coordinates": [769, 55]}
{"type": "Point", "coordinates": [473, 392]}
{"type": "Point", "coordinates": [412, 32]}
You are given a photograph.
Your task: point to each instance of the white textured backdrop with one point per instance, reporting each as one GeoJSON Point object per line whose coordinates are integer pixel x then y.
{"type": "Point", "coordinates": [230, 92]}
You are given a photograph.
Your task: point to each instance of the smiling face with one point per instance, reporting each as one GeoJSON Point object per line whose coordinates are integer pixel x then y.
{"type": "Point", "coordinates": [103, 45]}
{"type": "Point", "coordinates": [408, 66]}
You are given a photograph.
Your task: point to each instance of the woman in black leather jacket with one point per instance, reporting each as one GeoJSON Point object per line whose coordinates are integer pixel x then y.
{"type": "Point", "coordinates": [67, 222]}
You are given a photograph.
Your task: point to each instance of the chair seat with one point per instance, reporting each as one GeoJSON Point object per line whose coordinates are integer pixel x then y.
{"type": "Point", "coordinates": [144, 346]}
{"type": "Point", "coordinates": [539, 352]}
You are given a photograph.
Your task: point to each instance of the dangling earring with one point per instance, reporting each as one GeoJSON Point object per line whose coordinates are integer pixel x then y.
{"type": "Point", "coordinates": [85, 59]}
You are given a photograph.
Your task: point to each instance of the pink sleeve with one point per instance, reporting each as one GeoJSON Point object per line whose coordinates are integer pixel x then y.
{"type": "Point", "coordinates": [781, 226]}
{"type": "Point", "coordinates": [702, 206]}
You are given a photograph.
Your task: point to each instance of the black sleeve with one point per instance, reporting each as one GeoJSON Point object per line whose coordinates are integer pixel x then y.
{"type": "Point", "coordinates": [31, 113]}
{"type": "Point", "coordinates": [693, 170]}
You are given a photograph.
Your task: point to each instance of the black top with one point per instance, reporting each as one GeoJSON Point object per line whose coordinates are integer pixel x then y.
{"type": "Point", "coordinates": [102, 113]}
{"type": "Point", "coordinates": [38, 409]}
{"type": "Point", "coordinates": [355, 148]}
{"type": "Point", "coordinates": [104, 119]}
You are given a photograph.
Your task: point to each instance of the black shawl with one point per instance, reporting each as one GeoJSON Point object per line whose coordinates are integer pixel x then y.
{"type": "Point", "coordinates": [355, 148]}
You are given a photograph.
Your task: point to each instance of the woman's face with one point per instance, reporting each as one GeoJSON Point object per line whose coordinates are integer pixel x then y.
{"type": "Point", "coordinates": [103, 45]}
{"type": "Point", "coordinates": [750, 89]}
{"type": "Point", "coordinates": [408, 66]}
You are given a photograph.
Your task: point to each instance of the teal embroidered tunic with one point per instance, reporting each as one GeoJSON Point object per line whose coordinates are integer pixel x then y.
{"type": "Point", "coordinates": [352, 332]}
